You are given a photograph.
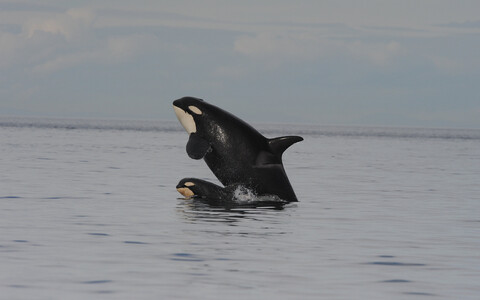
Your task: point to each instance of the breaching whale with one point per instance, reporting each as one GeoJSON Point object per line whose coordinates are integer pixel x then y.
{"type": "Point", "coordinates": [235, 152]}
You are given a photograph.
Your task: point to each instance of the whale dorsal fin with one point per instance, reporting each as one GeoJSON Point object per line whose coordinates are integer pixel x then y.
{"type": "Point", "coordinates": [197, 146]}
{"type": "Point", "coordinates": [280, 144]}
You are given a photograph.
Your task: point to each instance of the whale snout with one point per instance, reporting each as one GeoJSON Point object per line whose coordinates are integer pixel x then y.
{"type": "Point", "coordinates": [178, 103]}
{"type": "Point", "coordinates": [185, 119]}
{"type": "Point", "coordinates": [184, 188]}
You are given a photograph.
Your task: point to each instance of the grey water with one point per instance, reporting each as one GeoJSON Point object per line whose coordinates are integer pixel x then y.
{"type": "Point", "coordinates": [89, 210]}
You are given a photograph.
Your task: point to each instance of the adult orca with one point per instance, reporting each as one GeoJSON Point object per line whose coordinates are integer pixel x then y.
{"type": "Point", "coordinates": [235, 152]}
{"type": "Point", "coordinates": [230, 196]}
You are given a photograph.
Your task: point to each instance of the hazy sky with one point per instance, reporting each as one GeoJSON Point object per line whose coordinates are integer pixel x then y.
{"type": "Point", "coordinates": [370, 62]}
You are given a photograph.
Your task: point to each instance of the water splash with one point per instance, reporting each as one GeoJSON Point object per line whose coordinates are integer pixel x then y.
{"type": "Point", "coordinates": [245, 196]}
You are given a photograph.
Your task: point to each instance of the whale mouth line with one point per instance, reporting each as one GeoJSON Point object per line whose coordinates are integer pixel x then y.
{"type": "Point", "coordinates": [185, 119]}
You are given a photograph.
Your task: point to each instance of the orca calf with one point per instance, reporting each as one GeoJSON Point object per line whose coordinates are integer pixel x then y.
{"type": "Point", "coordinates": [198, 188]}
{"type": "Point", "coordinates": [236, 153]}
{"type": "Point", "coordinates": [233, 196]}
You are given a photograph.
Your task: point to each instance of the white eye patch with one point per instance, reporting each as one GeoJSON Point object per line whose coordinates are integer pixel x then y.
{"type": "Point", "coordinates": [195, 110]}
{"type": "Point", "coordinates": [188, 183]}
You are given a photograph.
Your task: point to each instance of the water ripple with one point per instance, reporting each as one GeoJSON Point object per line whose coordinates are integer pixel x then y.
{"type": "Point", "coordinates": [394, 263]}
{"type": "Point", "coordinates": [135, 242]}
{"type": "Point", "coordinates": [185, 257]}
{"type": "Point", "coordinates": [419, 294]}
{"type": "Point", "coordinates": [396, 281]}
{"type": "Point", "coordinates": [97, 281]}
{"type": "Point", "coordinates": [98, 234]}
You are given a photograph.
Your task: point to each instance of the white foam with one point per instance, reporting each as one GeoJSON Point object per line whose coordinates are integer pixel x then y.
{"type": "Point", "coordinates": [244, 195]}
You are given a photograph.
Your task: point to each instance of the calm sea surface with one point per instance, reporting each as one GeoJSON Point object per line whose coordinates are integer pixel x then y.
{"type": "Point", "coordinates": [89, 210]}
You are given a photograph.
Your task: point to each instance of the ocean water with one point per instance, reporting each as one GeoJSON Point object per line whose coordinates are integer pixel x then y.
{"type": "Point", "coordinates": [89, 210]}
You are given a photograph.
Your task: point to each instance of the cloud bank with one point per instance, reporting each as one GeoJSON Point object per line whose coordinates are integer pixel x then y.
{"type": "Point", "coordinates": [348, 64]}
